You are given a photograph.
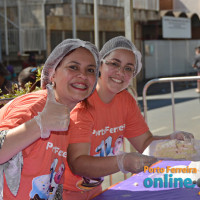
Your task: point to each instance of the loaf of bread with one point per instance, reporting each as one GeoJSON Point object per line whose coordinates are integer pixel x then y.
{"type": "Point", "coordinates": [175, 149]}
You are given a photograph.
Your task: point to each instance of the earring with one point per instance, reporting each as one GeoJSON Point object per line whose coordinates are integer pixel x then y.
{"type": "Point", "coordinates": [53, 84]}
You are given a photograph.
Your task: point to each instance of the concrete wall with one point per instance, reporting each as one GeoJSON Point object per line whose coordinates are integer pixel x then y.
{"type": "Point", "coordinates": [168, 57]}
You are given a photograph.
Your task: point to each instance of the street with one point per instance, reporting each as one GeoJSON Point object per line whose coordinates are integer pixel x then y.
{"type": "Point", "coordinates": [187, 112]}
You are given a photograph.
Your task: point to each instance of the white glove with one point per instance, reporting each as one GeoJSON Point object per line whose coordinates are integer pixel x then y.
{"type": "Point", "coordinates": [54, 117]}
{"type": "Point", "coordinates": [134, 162]}
{"type": "Point", "coordinates": [181, 135]}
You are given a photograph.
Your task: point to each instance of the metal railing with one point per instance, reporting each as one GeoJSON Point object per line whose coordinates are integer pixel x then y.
{"type": "Point", "coordinates": [162, 80]}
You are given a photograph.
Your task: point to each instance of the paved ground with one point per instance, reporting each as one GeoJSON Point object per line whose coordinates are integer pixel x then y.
{"type": "Point", "coordinates": [187, 111]}
{"type": "Point", "coordinates": [159, 115]}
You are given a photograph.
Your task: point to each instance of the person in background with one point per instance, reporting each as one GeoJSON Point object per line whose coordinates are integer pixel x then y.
{"type": "Point", "coordinates": [28, 74]}
{"type": "Point", "coordinates": [33, 127]}
{"type": "Point", "coordinates": [112, 114]}
{"type": "Point", "coordinates": [31, 61]}
{"type": "Point", "coordinates": [5, 85]}
{"type": "Point", "coordinates": [196, 66]}
{"type": "Point", "coordinates": [12, 75]}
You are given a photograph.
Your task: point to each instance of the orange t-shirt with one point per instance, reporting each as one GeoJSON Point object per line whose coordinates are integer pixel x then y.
{"type": "Point", "coordinates": [44, 159]}
{"type": "Point", "coordinates": [107, 125]}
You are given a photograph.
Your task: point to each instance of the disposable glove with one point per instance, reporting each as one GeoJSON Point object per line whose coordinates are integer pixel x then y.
{"type": "Point", "coordinates": [54, 117]}
{"type": "Point", "coordinates": [134, 162]}
{"type": "Point", "coordinates": [181, 135]}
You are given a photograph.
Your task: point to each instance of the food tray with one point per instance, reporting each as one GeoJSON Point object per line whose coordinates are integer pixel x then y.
{"type": "Point", "coordinates": [151, 149]}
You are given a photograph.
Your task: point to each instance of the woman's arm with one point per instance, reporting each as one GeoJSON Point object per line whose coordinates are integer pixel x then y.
{"type": "Point", "coordinates": [54, 117]}
{"type": "Point", "coordinates": [142, 141]}
{"type": "Point", "coordinates": [84, 165]}
{"type": "Point", "coordinates": [18, 139]}
{"type": "Point", "coordinates": [93, 167]}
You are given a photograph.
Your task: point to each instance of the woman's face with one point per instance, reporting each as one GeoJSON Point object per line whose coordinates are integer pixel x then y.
{"type": "Point", "coordinates": [75, 77]}
{"type": "Point", "coordinates": [117, 70]}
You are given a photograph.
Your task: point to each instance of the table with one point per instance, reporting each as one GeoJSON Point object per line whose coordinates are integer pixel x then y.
{"type": "Point", "coordinates": [129, 190]}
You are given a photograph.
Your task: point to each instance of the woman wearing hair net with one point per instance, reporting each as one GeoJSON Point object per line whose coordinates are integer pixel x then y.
{"type": "Point", "coordinates": [112, 115]}
{"type": "Point", "coordinates": [33, 127]}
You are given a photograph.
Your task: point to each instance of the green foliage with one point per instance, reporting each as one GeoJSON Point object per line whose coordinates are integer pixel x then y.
{"type": "Point", "coordinates": [29, 87]}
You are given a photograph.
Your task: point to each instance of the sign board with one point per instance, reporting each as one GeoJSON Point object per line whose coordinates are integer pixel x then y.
{"type": "Point", "coordinates": [176, 27]}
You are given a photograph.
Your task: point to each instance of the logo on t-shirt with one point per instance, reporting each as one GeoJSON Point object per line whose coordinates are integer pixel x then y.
{"type": "Point", "coordinates": [56, 150]}
{"type": "Point", "coordinates": [108, 129]}
{"type": "Point", "coordinates": [45, 186]}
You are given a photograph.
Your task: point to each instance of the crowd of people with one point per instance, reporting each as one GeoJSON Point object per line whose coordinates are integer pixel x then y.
{"type": "Point", "coordinates": [59, 142]}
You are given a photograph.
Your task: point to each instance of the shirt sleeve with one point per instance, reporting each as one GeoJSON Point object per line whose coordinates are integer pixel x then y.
{"type": "Point", "coordinates": [135, 123]}
{"type": "Point", "coordinates": [81, 126]}
{"type": "Point", "coordinates": [19, 111]}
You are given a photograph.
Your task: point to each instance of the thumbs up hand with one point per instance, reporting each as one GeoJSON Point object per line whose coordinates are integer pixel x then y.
{"type": "Point", "coordinates": [54, 117]}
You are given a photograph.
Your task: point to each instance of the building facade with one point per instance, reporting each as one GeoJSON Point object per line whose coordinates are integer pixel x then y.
{"type": "Point", "coordinates": [49, 22]}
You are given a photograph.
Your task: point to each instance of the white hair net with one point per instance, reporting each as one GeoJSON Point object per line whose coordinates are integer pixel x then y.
{"type": "Point", "coordinates": [59, 53]}
{"type": "Point", "coordinates": [121, 42]}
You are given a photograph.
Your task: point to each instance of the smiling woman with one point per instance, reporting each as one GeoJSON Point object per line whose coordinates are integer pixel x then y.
{"type": "Point", "coordinates": [33, 127]}
{"type": "Point", "coordinates": [113, 114]}
{"type": "Point", "coordinates": [116, 74]}
{"type": "Point", "coordinates": [75, 76]}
